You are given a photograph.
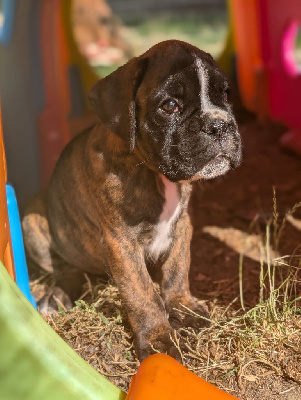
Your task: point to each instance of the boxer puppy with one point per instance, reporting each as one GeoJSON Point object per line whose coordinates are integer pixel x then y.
{"type": "Point", "coordinates": [119, 194]}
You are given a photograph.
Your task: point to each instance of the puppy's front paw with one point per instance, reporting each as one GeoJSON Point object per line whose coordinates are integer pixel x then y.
{"type": "Point", "coordinates": [187, 312]}
{"type": "Point", "coordinates": [159, 340]}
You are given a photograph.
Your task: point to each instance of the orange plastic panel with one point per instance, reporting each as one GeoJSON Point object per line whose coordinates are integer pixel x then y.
{"type": "Point", "coordinates": [160, 377]}
{"type": "Point", "coordinates": [5, 240]}
{"type": "Point", "coordinates": [8, 260]}
{"type": "Point", "coordinates": [252, 75]}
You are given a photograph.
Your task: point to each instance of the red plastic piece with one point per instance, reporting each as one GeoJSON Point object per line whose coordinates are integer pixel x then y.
{"type": "Point", "coordinates": [269, 77]}
{"type": "Point", "coordinates": [53, 125]}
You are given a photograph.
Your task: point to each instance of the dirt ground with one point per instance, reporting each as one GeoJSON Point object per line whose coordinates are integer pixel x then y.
{"type": "Point", "coordinates": [223, 210]}
{"type": "Point", "coordinates": [223, 213]}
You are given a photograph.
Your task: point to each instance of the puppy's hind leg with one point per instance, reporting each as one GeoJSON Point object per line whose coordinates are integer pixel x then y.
{"type": "Point", "coordinates": [36, 234]}
{"type": "Point", "coordinates": [67, 280]}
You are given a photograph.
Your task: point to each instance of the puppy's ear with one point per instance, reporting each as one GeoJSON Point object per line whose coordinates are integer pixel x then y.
{"type": "Point", "coordinates": [210, 56]}
{"type": "Point", "coordinates": [113, 97]}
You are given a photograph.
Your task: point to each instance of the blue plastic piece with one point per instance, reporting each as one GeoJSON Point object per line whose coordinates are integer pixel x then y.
{"type": "Point", "coordinates": [6, 29]}
{"type": "Point", "coordinates": [21, 271]}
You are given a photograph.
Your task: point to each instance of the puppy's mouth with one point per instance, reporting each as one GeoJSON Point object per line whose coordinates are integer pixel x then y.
{"type": "Point", "coordinates": [218, 166]}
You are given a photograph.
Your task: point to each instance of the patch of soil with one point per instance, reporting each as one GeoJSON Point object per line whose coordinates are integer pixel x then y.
{"type": "Point", "coordinates": [223, 213]}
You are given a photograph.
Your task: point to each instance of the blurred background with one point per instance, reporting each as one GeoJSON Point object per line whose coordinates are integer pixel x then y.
{"type": "Point", "coordinates": [109, 32]}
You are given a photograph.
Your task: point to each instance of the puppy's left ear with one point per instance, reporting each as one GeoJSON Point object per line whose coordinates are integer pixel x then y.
{"type": "Point", "coordinates": [113, 97]}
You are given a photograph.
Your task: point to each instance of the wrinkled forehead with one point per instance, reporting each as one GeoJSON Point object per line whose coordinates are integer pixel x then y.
{"type": "Point", "coordinates": [178, 74]}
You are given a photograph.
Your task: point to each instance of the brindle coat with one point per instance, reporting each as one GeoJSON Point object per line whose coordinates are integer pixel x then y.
{"type": "Point", "coordinates": [119, 194]}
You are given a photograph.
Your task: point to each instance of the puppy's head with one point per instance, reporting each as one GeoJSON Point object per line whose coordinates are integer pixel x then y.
{"type": "Point", "coordinates": [170, 106]}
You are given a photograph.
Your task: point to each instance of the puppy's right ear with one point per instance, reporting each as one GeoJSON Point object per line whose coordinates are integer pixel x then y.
{"type": "Point", "coordinates": [113, 97]}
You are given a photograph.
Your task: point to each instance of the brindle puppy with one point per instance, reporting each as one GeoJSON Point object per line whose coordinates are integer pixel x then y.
{"type": "Point", "coordinates": [119, 193]}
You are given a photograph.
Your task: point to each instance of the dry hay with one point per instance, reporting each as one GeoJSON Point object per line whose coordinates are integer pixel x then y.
{"type": "Point", "coordinates": [237, 349]}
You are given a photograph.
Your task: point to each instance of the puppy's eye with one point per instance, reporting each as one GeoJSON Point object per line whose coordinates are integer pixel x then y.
{"type": "Point", "coordinates": [170, 107]}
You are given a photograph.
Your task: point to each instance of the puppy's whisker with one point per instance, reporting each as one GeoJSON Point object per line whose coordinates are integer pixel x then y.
{"type": "Point", "coordinates": [140, 163]}
{"type": "Point", "coordinates": [143, 162]}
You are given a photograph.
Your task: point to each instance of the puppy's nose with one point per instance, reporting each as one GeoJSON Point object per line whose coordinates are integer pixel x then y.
{"type": "Point", "coordinates": [216, 127]}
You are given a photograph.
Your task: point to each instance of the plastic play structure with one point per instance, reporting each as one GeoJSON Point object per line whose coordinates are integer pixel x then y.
{"type": "Point", "coordinates": [11, 243]}
{"type": "Point", "coordinates": [44, 83]}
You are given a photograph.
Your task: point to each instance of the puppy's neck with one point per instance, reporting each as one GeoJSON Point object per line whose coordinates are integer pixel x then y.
{"type": "Point", "coordinates": [172, 198]}
{"type": "Point", "coordinates": [174, 194]}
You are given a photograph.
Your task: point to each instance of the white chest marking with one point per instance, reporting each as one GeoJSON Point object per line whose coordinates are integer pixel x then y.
{"type": "Point", "coordinates": [207, 106]}
{"type": "Point", "coordinates": [171, 210]}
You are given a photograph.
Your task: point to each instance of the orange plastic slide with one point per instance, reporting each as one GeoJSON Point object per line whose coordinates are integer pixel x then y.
{"type": "Point", "coordinates": [161, 377]}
